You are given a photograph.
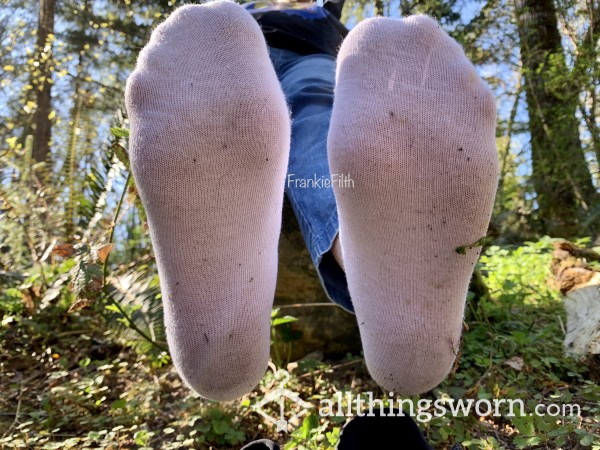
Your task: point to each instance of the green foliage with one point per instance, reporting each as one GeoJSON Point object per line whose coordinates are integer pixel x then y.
{"type": "Point", "coordinates": [313, 434]}
{"type": "Point", "coordinates": [521, 322]}
{"type": "Point", "coordinates": [88, 388]}
{"type": "Point", "coordinates": [119, 132]}
{"type": "Point", "coordinates": [519, 274]}
{"type": "Point", "coordinates": [282, 338]}
{"type": "Point", "coordinates": [73, 238]}
{"type": "Point", "coordinates": [220, 428]}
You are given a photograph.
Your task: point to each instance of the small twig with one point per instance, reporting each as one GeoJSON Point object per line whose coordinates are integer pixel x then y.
{"type": "Point", "coordinates": [509, 132]}
{"type": "Point", "coordinates": [17, 413]}
{"type": "Point", "coordinates": [337, 366]}
{"type": "Point", "coordinates": [105, 86]}
{"type": "Point", "coordinates": [113, 226]}
{"type": "Point", "coordinates": [562, 325]}
{"type": "Point", "coordinates": [302, 305]}
{"type": "Point", "coordinates": [73, 332]}
{"type": "Point", "coordinates": [33, 377]}
{"type": "Point", "coordinates": [134, 327]}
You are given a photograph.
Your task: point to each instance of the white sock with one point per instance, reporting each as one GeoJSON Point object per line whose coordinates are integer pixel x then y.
{"type": "Point", "coordinates": [414, 126]}
{"type": "Point", "coordinates": [209, 149]}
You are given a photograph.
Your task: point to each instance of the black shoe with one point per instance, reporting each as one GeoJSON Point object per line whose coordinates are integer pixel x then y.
{"type": "Point", "coordinates": [385, 432]}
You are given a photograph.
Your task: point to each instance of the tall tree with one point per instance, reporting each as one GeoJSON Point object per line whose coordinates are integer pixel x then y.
{"type": "Point", "coordinates": [561, 175]}
{"type": "Point", "coordinates": [42, 81]}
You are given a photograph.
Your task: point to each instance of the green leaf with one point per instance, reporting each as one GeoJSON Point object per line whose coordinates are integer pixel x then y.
{"type": "Point", "coordinates": [588, 440]}
{"type": "Point", "coordinates": [121, 153]}
{"type": "Point", "coordinates": [119, 404]}
{"type": "Point", "coordinates": [333, 436]}
{"type": "Point", "coordinates": [309, 423]}
{"type": "Point", "coordinates": [119, 132]}
{"type": "Point", "coordinates": [84, 362]}
{"type": "Point", "coordinates": [287, 334]}
{"type": "Point", "coordinates": [524, 424]}
{"type": "Point", "coordinates": [112, 308]}
{"type": "Point", "coordinates": [93, 435]}
{"type": "Point", "coordinates": [462, 250]}
{"type": "Point", "coordinates": [282, 320]}
{"type": "Point", "coordinates": [141, 437]}
{"type": "Point", "coordinates": [221, 426]}
{"type": "Point", "coordinates": [13, 293]}
{"type": "Point", "coordinates": [524, 442]}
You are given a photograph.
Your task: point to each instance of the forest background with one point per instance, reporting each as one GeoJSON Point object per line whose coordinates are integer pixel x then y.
{"type": "Point", "coordinates": [83, 358]}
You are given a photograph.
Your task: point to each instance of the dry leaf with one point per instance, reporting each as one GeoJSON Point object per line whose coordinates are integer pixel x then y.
{"type": "Point", "coordinates": [35, 290]}
{"type": "Point", "coordinates": [516, 362]}
{"type": "Point", "coordinates": [103, 251]}
{"type": "Point", "coordinates": [63, 250]}
{"type": "Point", "coordinates": [80, 304]}
{"type": "Point", "coordinates": [28, 300]}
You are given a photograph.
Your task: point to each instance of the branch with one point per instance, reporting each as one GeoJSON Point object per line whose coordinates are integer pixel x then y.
{"type": "Point", "coordinates": [589, 41]}
{"type": "Point", "coordinates": [509, 132]}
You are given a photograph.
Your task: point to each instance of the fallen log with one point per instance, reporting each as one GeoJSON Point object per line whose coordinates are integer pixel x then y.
{"type": "Point", "coordinates": [579, 282]}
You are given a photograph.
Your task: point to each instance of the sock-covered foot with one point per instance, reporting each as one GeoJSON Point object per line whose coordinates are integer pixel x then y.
{"type": "Point", "coordinates": [209, 149]}
{"type": "Point", "coordinates": [414, 127]}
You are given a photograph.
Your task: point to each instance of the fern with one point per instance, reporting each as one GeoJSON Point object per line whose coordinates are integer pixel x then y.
{"type": "Point", "coordinates": [92, 210]}
{"type": "Point", "coordinates": [137, 292]}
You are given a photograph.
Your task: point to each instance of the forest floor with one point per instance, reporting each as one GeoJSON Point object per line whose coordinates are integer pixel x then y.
{"type": "Point", "coordinates": [67, 382]}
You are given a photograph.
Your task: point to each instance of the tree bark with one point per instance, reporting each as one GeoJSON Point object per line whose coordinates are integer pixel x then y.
{"type": "Point", "coordinates": [42, 82]}
{"type": "Point", "coordinates": [561, 175]}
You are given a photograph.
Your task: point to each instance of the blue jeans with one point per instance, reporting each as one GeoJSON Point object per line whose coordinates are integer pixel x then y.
{"type": "Point", "coordinates": [308, 82]}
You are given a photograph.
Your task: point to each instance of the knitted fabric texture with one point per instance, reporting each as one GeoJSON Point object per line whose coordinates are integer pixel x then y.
{"type": "Point", "coordinates": [414, 127]}
{"type": "Point", "coordinates": [209, 147]}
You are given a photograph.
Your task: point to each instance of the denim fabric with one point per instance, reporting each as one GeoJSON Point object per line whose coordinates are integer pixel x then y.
{"type": "Point", "coordinates": [308, 82]}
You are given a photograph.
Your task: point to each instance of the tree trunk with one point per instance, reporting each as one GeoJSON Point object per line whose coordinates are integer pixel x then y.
{"type": "Point", "coordinates": [321, 326]}
{"type": "Point", "coordinates": [561, 176]}
{"type": "Point", "coordinates": [42, 82]}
